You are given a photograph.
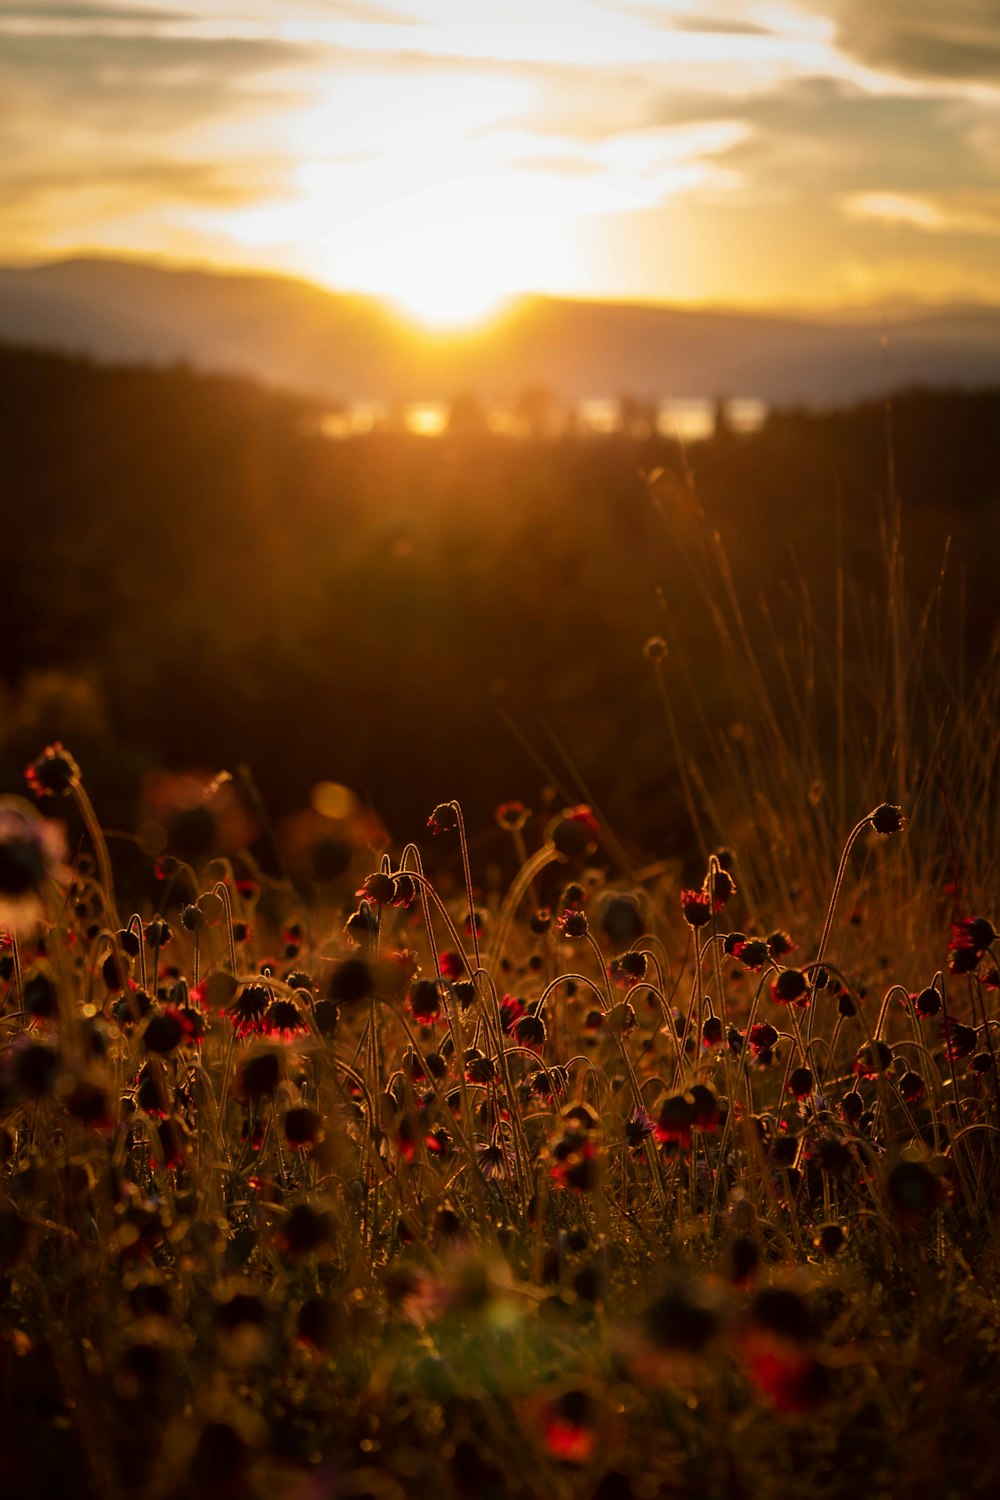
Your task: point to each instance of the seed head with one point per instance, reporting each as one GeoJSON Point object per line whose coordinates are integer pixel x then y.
{"type": "Point", "coordinates": [887, 819]}
{"type": "Point", "coordinates": [54, 774]}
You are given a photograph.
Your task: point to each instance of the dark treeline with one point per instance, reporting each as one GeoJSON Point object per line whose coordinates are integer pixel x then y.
{"type": "Point", "coordinates": [193, 578]}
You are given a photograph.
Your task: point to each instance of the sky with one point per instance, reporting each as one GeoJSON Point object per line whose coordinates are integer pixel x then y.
{"type": "Point", "coordinates": [449, 153]}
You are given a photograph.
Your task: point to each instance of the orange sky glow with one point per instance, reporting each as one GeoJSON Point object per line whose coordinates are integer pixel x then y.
{"type": "Point", "coordinates": [448, 154]}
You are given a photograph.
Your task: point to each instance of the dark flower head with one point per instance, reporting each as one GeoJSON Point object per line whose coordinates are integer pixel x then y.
{"type": "Point", "coordinates": [249, 1007]}
{"type": "Point", "coordinates": [54, 774]}
{"type": "Point", "coordinates": [972, 932]}
{"type": "Point", "coordinates": [676, 1120]}
{"type": "Point", "coordinates": [351, 981]}
{"type": "Point", "coordinates": [192, 918]}
{"type": "Point", "coordinates": [573, 924]}
{"type": "Point", "coordinates": [283, 1019]}
{"type": "Point", "coordinates": [696, 907]}
{"type": "Point", "coordinates": [165, 1031]}
{"type": "Point", "coordinates": [712, 1033]}
{"type": "Point", "coordinates": [259, 1075]}
{"type": "Point", "coordinates": [529, 1032]}
{"type": "Point", "coordinates": [887, 819]}
{"type": "Point", "coordinates": [302, 1126]}
{"type": "Point", "coordinates": [779, 943]}
{"type": "Point", "coordinates": [872, 1059]}
{"type": "Point", "coordinates": [380, 888]}
{"type": "Point", "coordinates": [970, 939]}
{"type": "Point", "coordinates": [622, 920]}
{"type": "Point", "coordinates": [158, 933]}
{"type": "Point", "coordinates": [959, 1040]}
{"type": "Point", "coordinates": [453, 964]}
{"type": "Point", "coordinates": [655, 649]}
{"type": "Point", "coordinates": [638, 1128]}
{"type": "Point", "coordinates": [852, 1107]}
{"type": "Point", "coordinates": [444, 818]}
{"type": "Point", "coordinates": [911, 1086]}
{"type": "Point", "coordinates": [425, 1001]}
{"type": "Point", "coordinates": [327, 1018]}
{"type": "Point", "coordinates": [540, 921]}
{"type": "Point", "coordinates": [621, 1019]}
{"type": "Point", "coordinates": [362, 925]}
{"type": "Point", "coordinates": [752, 953]}
{"type": "Point", "coordinates": [801, 1082]}
{"type": "Point", "coordinates": [629, 968]}
{"type": "Point", "coordinates": [574, 831]}
{"type": "Point", "coordinates": [719, 886]}
{"type": "Point", "coordinates": [478, 1067]}
{"type": "Point", "coordinates": [762, 1035]}
{"type": "Point", "coordinates": [790, 987]}
{"type": "Point", "coordinates": [927, 1003]}
{"type": "Point", "coordinates": [152, 1095]}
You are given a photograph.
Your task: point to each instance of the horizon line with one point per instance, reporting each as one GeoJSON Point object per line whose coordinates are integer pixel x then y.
{"type": "Point", "coordinates": [900, 304]}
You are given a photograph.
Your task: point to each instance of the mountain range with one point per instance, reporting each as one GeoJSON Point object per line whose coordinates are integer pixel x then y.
{"type": "Point", "coordinates": [336, 346]}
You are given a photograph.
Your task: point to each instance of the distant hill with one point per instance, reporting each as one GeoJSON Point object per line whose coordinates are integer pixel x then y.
{"type": "Point", "coordinates": [294, 334]}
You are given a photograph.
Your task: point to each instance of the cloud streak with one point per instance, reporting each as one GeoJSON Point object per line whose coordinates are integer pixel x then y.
{"type": "Point", "coordinates": [335, 136]}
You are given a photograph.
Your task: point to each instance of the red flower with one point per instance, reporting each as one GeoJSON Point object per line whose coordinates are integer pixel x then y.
{"type": "Point", "coordinates": [573, 924]}
{"type": "Point", "coordinates": [972, 933]}
{"type": "Point", "coordinates": [752, 953]}
{"type": "Point", "coordinates": [762, 1037]}
{"type": "Point", "coordinates": [452, 964]}
{"type": "Point", "coordinates": [719, 886]}
{"type": "Point", "coordinates": [696, 907]}
{"type": "Point", "coordinates": [511, 1011]}
{"type": "Point", "coordinates": [379, 887]}
{"type": "Point", "coordinates": [283, 1019]}
{"type": "Point", "coordinates": [959, 1040]}
{"type": "Point", "coordinates": [790, 987]}
{"type": "Point", "coordinates": [676, 1120]}
{"type": "Point", "coordinates": [574, 831]}
{"type": "Point", "coordinates": [569, 1435]}
{"type": "Point", "coordinates": [872, 1060]}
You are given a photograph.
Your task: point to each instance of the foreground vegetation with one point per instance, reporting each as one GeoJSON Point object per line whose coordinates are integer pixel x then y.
{"type": "Point", "coordinates": [626, 1193]}
{"type": "Point", "coordinates": [548, 1157]}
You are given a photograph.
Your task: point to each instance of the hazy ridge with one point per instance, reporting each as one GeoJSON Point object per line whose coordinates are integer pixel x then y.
{"type": "Point", "coordinates": [294, 334]}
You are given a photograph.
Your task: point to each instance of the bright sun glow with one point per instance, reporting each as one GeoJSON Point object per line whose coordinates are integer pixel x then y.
{"type": "Point", "coordinates": [452, 254]}
{"type": "Point", "coordinates": [439, 303]}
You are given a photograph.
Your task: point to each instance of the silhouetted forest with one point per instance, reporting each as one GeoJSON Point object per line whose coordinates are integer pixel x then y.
{"type": "Point", "coordinates": [193, 577]}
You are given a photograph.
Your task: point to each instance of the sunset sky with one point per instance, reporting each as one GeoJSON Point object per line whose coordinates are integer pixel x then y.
{"type": "Point", "coordinates": [450, 152]}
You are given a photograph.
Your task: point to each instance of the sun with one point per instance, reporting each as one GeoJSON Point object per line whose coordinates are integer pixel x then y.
{"type": "Point", "coordinates": [450, 302]}
{"type": "Point", "coordinates": [451, 256]}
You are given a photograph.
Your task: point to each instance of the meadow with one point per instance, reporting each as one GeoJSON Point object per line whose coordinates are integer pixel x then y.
{"type": "Point", "coordinates": [628, 1130]}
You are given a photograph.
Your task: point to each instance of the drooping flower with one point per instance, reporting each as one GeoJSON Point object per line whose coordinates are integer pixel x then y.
{"type": "Point", "coordinates": [696, 907]}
